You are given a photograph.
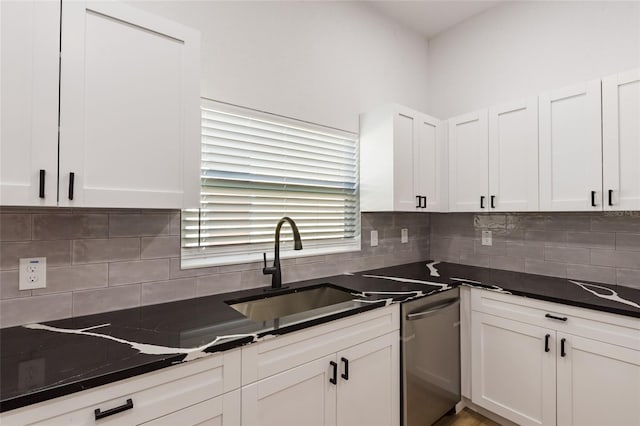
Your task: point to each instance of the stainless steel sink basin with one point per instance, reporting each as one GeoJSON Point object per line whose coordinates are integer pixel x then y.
{"type": "Point", "coordinates": [295, 302]}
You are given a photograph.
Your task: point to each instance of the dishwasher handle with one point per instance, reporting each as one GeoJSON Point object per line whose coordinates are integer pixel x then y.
{"type": "Point", "coordinates": [433, 309]}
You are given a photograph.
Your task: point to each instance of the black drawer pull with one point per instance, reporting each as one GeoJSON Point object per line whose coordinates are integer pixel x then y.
{"type": "Point", "coordinates": [102, 414]}
{"type": "Point", "coordinates": [563, 353]}
{"type": "Point", "coordinates": [555, 317]}
{"type": "Point", "coordinates": [593, 198]}
{"type": "Point", "coordinates": [345, 375]}
{"type": "Point", "coordinates": [419, 198]}
{"type": "Point", "coordinates": [334, 380]}
{"type": "Point", "coordinates": [546, 343]}
{"type": "Point", "coordinates": [41, 189]}
{"type": "Point", "coordinates": [611, 197]}
{"type": "Point", "coordinates": [71, 180]}
{"type": "Point", "coordinates": [482, 201]}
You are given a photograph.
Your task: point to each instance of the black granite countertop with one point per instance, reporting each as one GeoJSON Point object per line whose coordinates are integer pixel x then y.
{"type": "Point", "coordinates": [44, 361]}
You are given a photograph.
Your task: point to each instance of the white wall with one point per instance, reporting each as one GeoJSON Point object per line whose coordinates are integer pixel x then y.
{"type": "Point", "coordinates": [319, 61]}
{"type": "Point", "coordinates": [522, 48]}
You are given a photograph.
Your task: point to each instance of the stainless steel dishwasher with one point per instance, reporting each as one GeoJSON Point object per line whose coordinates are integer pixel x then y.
{"type": "Point", "coordinates": [430, 357]}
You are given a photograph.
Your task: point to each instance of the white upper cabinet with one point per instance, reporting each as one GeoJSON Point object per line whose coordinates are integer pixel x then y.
{"type": "Point", "coordinates": [402, 153]}
{"type": "Point", "coordinates": [30, 34]}
{"type": "Point", "coordinates": [469, 162]}
{"type": "Point", "coordinates": [513, 156]}
{"type": "Point", "coordinates": [571, 148]}
{"type": "Point", "coordinates": [621, 141]}
{"type": "Point", "coordinates": [129, 108]}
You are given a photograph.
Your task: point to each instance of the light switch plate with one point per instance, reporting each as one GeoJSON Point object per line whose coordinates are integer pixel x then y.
{"type": "Point", "coordinates": [404, 235]}
{"type": "Point", "coordinates": [374, 238]}
{"type": "Point", "coordinates": [33, 273]}
{"type": "Point", "coordinates": [487, 238]}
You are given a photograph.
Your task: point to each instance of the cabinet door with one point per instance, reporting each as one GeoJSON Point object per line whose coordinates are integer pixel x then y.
{"type": "Point", "coordinates": [223, 410]}
{"type": "Point", "coordinates": [512, 374]}
{"type": "Point", "coordinates": [404, 128]}
{"type": "Point", "coordinates": [370, 393]}
{"type": "Point", "coordinates": [129, 113]}
{"type": "Point", "coordinates": [571, 149]}
{"type": "Point", "coordinates": [428, 155]}
{"type": "Point", "coordinates": [598, 383]}
{"type": "Point", "coordinates": [513, 156]}
{"type": "Point", "coordinates": [621, 141]}
{"type": "Point", "coordinates": [468, 162]}
{"type": "Point", "coordinates": [299, 396]}
{"type": "Point", "coordinates": [30, 36]}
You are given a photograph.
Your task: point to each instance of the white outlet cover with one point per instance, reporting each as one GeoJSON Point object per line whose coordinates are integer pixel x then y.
{"type": "Point", "coordinates": [374, 238]}
{"type": "Point", "coordinates": [404, 235]}
{"type": "Point", "coordinates": [33, 273]}
{"type": "Point", "coordinates": [487, 238]}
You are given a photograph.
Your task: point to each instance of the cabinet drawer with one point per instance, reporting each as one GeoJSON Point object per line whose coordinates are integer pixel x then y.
{"type": "Point", "coordinates": [272, 356]}
{"type": "Point", "coordinates": [153, 395]}
{"type": "Point", "coordinates": [603, 326]}
{"type": "Point", "coordinates": [223, 410]}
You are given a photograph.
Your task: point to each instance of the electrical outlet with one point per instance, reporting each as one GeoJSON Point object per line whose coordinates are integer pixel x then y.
{"type": "Point", "coordinates": [404, 235]}
{"type": "Point", "coordinates": [374, 238]}
{"type": "Point", "coordinates": [33, 273]}
{"type": "Point", "coordinates": [487, 238]}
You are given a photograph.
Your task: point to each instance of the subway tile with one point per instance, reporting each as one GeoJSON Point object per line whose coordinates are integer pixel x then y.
{"type": "Point", "coordinates": [616, 258]}
{"type": "Point", "coordinates": [255, 278]}
{"type": "Point", "coordinates": [134, 225]}
{"type": "Point", "coordinates": [28, 310]}
{"type": "Point", "coordinates": [524, 250]}
{"type": "Point", "coordinates": [496, 249]}
{"type": "Point", "coordinates": [56, 252]}
{"type": "Point", "coordinates": [507, 263]}
{"type": "Point", "coordinates": [453, 224]}
{"type": "Point", "coordinates": [15, 227]}
{"type": "Point", "coordinates": [567, 254]}
{"type": "Point", "coordinates": [156, 247]}
{"type": "Point", "coordinates": [219, 283]}
{"type": "Point", "coordinates": [9, 285]}
{"type": "Point", "coordinates": [592, 273]}
{"type": "Point", "coordinates": [603, 240]}
{"type": "Point", "coordinates": [473, 259]}
{"type": "Point", "coordinates": [74, 277]}
{"type": "Point", "coordinates": [613, 222]}
{"type": "Point", "coordinates": [175, 223]}
{"type": "Point", "coordinates": [106, 250]}
{"type": "Point", "coordinates": [105, 299]}
{"type": "Point", "coordinates": [168, 291]}
{"type": "Point", "coordinates": [175, 270]}
{"type": "Point", "coordinates": [138, 271]}
{"type": "Point", "coordinates": [490, 221]}
{"type": "Point", "coordinates": [626, 241]}
{"type": "Point", "coordinates": [628, 278]}
{"type": "Point", "coordinates": [545, 237]}
{"type": "Point", "coordinates": [69, 226]}
{"type": "Point", "coordinates": [539, 267]}
{"type": "Point", "coordinates": [552, 221]}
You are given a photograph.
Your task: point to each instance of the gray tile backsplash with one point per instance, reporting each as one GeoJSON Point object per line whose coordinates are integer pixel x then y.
{"type": "Point", "coordinates": [602, 247]}
{"type": "Point", "coordinates": [107, 259]}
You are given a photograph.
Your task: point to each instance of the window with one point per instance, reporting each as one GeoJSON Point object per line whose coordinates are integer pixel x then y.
{"type": "Point", "coordinates": [257, 168]}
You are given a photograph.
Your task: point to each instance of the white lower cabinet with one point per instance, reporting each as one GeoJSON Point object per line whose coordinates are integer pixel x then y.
{"type": "Point", "coordinates": [356, 386]}
{"type": "Point", "coordinates": [223, 410]}
{"type": "Point", "coordinates": [541, 363]}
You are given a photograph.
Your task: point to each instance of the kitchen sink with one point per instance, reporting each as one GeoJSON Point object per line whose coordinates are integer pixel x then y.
{"type": "Point", "coordinates": [293, 302]}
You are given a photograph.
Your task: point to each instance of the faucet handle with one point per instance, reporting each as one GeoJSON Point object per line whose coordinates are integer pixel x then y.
{"type": "Point", "coordinates": [264, 257]}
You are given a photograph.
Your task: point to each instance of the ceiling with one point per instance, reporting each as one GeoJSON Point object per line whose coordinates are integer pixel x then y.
{"type": "Point", "coordinates": [431, 17]}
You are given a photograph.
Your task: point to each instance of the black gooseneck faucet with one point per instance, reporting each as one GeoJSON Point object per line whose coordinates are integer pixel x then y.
{"type": "Point", "coordinates": [274, 271]}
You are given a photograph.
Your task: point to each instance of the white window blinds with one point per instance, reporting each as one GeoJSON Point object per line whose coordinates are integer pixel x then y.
{"type": "Point", "coordinates": [257, 168]}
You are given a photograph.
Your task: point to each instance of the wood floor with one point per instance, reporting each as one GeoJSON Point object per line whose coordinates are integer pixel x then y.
{"type": "Point", "coordinates": [465, 417]}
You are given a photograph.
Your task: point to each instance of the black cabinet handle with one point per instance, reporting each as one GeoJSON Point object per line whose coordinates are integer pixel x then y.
{"type": "Point", "coordinates": [593, 198]}
{"type": "Point", "coordinates": [424, 206]}
{"type": "Point", "coordinates": [546, 342]}
{"type": "Point", "coordinates": [334, 380]}
{"type": "Point", "coordinates": [102, 414]}
{"type": "Point", "coordinates": [345, 375]}
{"type": "Point", "coordinates": [41, 189]}
{"type": "Point", "coordinates": [563, 353]}
{"type": "Point", "coordinates": [493, 201]}
{"type": "Point", "coordinates": [482, 201]}
{"type": "Point", "coordinates": [72, 177]}
{"type": "Point", "coordinates": [419, 199]}
{"type": "Point", "coordinates": [611, 197]}
{"type": "Point", "coordinates": [555, 317]}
